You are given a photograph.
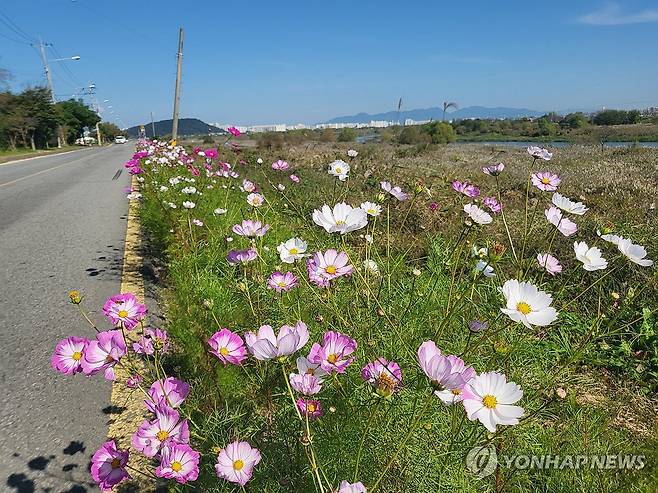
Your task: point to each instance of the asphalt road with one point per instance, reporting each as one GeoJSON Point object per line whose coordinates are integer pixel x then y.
{"type": "Point", "coordinates": [62, 227]}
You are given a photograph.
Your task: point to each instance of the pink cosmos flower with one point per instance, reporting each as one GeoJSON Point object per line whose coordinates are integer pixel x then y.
{"type": "Point", "coordinates": [385, 376]}
{"type": "Point", "coordinates": [282, 282]}
{"type": "Point", "coordinates": [248, 186]}
{"type": "Point", "coordinates": [236, 257]}
{"type": "Point", "coordinates": [309, 407]}
{"type": "Point", "coordinates": [333, 354]}
{"type": "Point", "coordinates": [152, 340]}
{"type": "Point", "coordinates": [180, 462]}
{"type": "Point", "coordinates": [68, 355]}
{"type": "Point", "coordinates": [305, 383]}
{"type": "Point", "coordinates": [539, 153]}
{"type": "Point", "coordinates": [394, 191]}
{"type": "Point", "coordinates": [346, 487]}
{"type": "Point", "coordinates": [494, 169]}
{"type": "Point", "coordinates": [264, 345]}
{"type": "Point", "coordinates": [171, 391]}
{"type": "Point", "coordinates": [211, 153]}
{"type": "Point", "coordinates": [456, 394]}
{"type": "Point", "coordinates": [134, 381]}
{"type": "Point", "coordinates": [166, 428]}
{"type": "Point", "coordinates": [331, 264]}
{"type": "Point", "coordinates": [295, 178]}
{"type": "Point", "coordinates": [280, 165]}
{"type": "Point", "coordinates": [250, 228]}
{"type": "Point", "coordinates": [108, 465]}
{"type": "Point", "coordinates": [124, 309]}
{"type": "Point", "coordinates": [490, 399]}
{"type": "Point", "coordinates": [228, 347]}
{"type": "Point", "coordinates": [448, 373]}
{"type": "Point", "coordinates": [135, 170]}
{"type": "Point", "coordinates": [493, 204]}
{"type": "Point", "coordinates": [314, 274]}
{"type": "Point", "coordinates": [550, 263]}
{"type": "Point", "coordinates": [234, 131]}
{"type": "Point", "coordinates": [545, 180]}
{"type": "Point", "coordinates": [305, 367]}
{"type": "Point", "coordinates": [197, 222]}
{"type": "Point", "coordinates": [103, 353]}
{"type": "Point", "coordinates": [236, 462]}
{"type": "Point", "coordinates": [466, 188]}
{"type": "Point", "coordinates": [564, 225]}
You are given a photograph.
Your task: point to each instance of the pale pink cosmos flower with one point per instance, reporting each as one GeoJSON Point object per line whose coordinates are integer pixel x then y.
{"type": "Point", "coordinates": [394, 191]}
{"type": "Point", "coordinates": [306, 367]}
{"type": "Point", "coordinates": [539, 153]}
{"type": "Point", "coordinates": [170, 391]}
{"type": "Point", "coordinates": [264, 345]}
{"type": "Point", "coordinates": [306, 383]}
{"type": "Point", "coordinates": [564, 225]}
{"type": "Point", "coordinates": [466, 188]}
{"type": "Point", "coordinates": [490, 398]}
{"type": "Point", "coordinates": [282, 282]}
{"type": "Point", "coordinates": [315, 275]}
{"type": "Point", "coordinates": [250, 228]}
{"type": "Point", "coordinates": [180, 462]}
{"type": "Point", "coordinates": [347, 487]}
{"type": "Point", "coordinates": [236, 462]}
{"type": "Point", "coordinates": [332, 264]}
{"type": "Point", "coordinates": [549, 263]}
{"type": "Point", "coordinates": [333, 354]}
{"type": "Point", "coordinates": [152, 340]}
{"type": "Point", "coordinates": [103, 353]}
{"type": "Point", "coordinates": [124, 309]}
{"type": "Point", "coordinates": [280, 165]}
{"type": "Point", "coordinates": [68, 355]}
{"type": "Point", "coordinates": [228, 347]}
{"type": "Point", "coordinates": [248, 186]}
{"type": "Point", "coordinates": [255, 199]}
{"type": "Point", "coordinates": [295, 178]}
{"type": "Point", "coordinates": [197, 222]}
{"type": "Point", "coordinates": [545, 180]}
{"type": "Point", "coordinates": [385, 376]}
{"type": "Point", "coordinates": [235, 257]}
{"type": "Point", "coordinates": [493, 204]}
{"type": "Point", "coordinates": [494, 169]}
{"type": "Point", "coordinates": [166, 428]}
{"type": "Point", "coordinates": [108, 465]}
{"type": "Point", "coordinates": [448, 373]}
{"type": "Point", "coordinates": [310, 408]}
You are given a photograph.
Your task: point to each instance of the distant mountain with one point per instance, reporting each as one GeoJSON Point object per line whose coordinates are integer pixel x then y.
{"type": "Point", "coordinates": [437, 114]}
{"type": "Point", "coordinates": [186, 126]}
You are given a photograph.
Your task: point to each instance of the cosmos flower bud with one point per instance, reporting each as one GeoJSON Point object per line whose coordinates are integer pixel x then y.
{"type": "Point", "coordinates": [75, 297]}
{"type": "Point", "coordinates": [208, 304]}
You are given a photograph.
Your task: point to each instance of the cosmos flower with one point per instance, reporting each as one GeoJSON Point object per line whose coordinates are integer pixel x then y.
{"type": "Point", "coordinates": [539, 153]}
{"type": "Point", "coordinates": [250, 229]}
{"type": "Point", "coordinates": [346, 487]}
{"type": "Point", "coordinates": [236, 462]}
{"type": "Point", "coordinates": [394, 191]}
{"type": "Point", "coordinates": [447, 373]}
{"type": "Point", "coordinates": [591, 258]}
{"type": "Point", "coordinates": [134, 381]}
{"type": "Point", "coordinates": [332, 264]}
{"type": "Point", "coordinates": [235, 257]}
{"type": "Point", "coordinates": [309, 407]}
{"type": "Point", "coordinates": [188, 204]}
{"type": "Point", "coordinates": [477, 215]}
{"type": "Point", "coordinates": [210, 153]}
{"type": "Point", "coordinates": [102, 353]}
{"type": "Point", "coordinates": [282, 282]}
{"type": "Point", "coordinates": [490, 398]}
{"type": "Point", "coordinates": [466, 188]}
{"type": "Point", "coordinates": [255, 199]}
{"type": "Point", "coordinates": [567, 205]}
{"type": "Point", "coordinates": [306, 367]}
{"type": "Point", "coordinates": [294, 178]}
{"type": "Point", "coordinates": [545, 180]}
{"type": "Point", "coordinates": [343, 218]}
{"type": "Point", "coordinates": [371, 266]}
{"type": "Point", "coordinates": [385, 376]}
{"type": "Point", "coordinates": [526, 304]}
{"type": "Point", "coordinates": [291, 250]}
{"type": "Point", "coordinates": [68, 355]}
{"type": "Point", "coordinates": [124, 309]}
{"type": "Point", "coordinates": [188, 190]}
{"type": "Point", "coordinates": [371, 208]}
{"type": "Point", "coordinates": [453, 394]}
{"type": "Point", "coordinates": [197, 222]}
{"type": "Point", "coordinates": [233, 131]}
{"type": "Point", "coordinates": [152, 340]}
{"type": "Point", "coordinates": [248, 186]}
{"type": "Point", "coordinates": [219, 211]}
{"type": "Point", "coordinates": [166, 428]}
{"type": "Point", "coordinates": [352, 153]}
{"type": "Point", "coordinates": [493, 204]}
{"type": "Point", "coordinates": [228, 347]}
{"type": "Point", "coordinates": [108, 465]}
{"type": "Point", "coordinates": [305, 383]}
{"type": "Point", "coordinates": [179, 462]}
{"type": "Point", "coordinates": [280, 165]}
{"type": "Point", "coordinates": [610, 238]}
{"type": "Point", "coordinates": [563, 224]}
{"type": "Point", "coordinates": [339, 169]}
{"type": "Point", "coordinates": [169, 391]}
{"type": "Point", "coordinates": [494, 169]}
{"type": "Point", "coordinates": [264, 345]}
{"type": "Point", "coordinates": [485, 267]}
{"type": "Point", "coordinates": [549, 263]}
{"type": "Point", "coordinates": [635, 253]}
{"type": "Point", "coordinates": [333, 354]}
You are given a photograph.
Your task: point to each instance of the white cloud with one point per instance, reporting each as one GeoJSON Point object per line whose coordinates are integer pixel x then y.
{"type": "Point", "coordinates": [612, 15]}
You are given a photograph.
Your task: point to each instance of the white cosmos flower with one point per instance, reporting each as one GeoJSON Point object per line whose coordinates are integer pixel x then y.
{"type": "Point", "coordinates": [342, 219]}
{"type": "Point", "coordinates": [590, 257]}
{"type": "Point", "coordinates": [219, 211]}
{"type": "Point", "coordinates": [635, 253]}
{"type": "Point", "coordinates": [610, 238]}
{"type": "Point", "coordinates": [292, 250]}
{"type": "Point", "coordinates": [163, 188]}
{"type": "Point", "coordinates": [352, 153]}
{"type": "Point", "coordinates": [563, 224]}
{"type": "Point", "coordinates": [489, 398]}
{"type": "Point", "coordinates": [340, 169]}
{"type": "Point", "coordinates": [371, 208]}
{"type": "Point", "coordinates": [528, 305]}
{"type": "Point", "coordinates": [568, 205]}
{"type": "Point", "coordinates": [485, 267]}
{"type": "Point", "coordinates": [188, 204]}
{"type": "Point", "coordinates": [189, 190]}
{"type": "Point", "coordinates": [477, 215]}
{"type": "Point", "coordinates": [255, 199]}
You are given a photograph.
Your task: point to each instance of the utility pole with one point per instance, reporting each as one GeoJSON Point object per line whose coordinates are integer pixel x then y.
{"type": "Point", "coordinates": [49, 78]}
{"type": "Point", "coordinates": [179, 66]}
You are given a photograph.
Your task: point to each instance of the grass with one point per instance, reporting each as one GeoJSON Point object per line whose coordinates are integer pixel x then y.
{"type": "Point", "coordinates": [9, 155]}
{"type": "Point", "coordinates": [604, 408]}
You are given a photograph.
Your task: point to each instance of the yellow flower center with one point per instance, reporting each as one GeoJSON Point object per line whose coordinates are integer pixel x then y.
{"type": "Point", "coordinates": [372, 211]}
{"type": "Point", "coordinates": [332, 358]}
{"type": "Point", "coordinates": [340, 221]}
{"type": "Point", "coordinates": [282, 284]}
{"type": "Point", "coordinates": [77, 356]}
{"type": "Point", "coordinates": [310, 407]}
{"type": "Point", "coordinates": [162, 435]}
{"type": "Point", "coordinates": [116, 463]}
{"type": "Point", "coordinates": [293, 251]}
{"type": "Point", "coordinates": [310, 371]}
{"type": "Point", "coordinates": [456, 391]}
{"type": "Point", "coordinates": [545, 181]}
{"type": "Point", "coordinates": [523, 307]}
{"type": "Point", "coordinates": [489, 401]}
{"type": "Point", "coordinates": [238, 464]}
{"type": "Point", "coordinates": [224, 351]}
{"type": "Point", "coordinates": [123, 313]}
{"type": "Point", "coordinates": [176, 466]}
{"type": "Point", "coordinates": [331, 269]}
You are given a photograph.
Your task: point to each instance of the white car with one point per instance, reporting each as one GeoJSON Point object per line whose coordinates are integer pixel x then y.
{"type": "Point", "coordinates": [120, 139]}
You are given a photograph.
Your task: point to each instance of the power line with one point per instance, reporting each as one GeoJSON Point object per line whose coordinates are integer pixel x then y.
{"type": "Point", "coordinates": [14, 40]}
{"type": "Point", "coordinates": [15, 28]}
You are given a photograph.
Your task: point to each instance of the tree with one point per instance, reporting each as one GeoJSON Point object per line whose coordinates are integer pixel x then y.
{"type": "Point", "coordinates": [109, 130]}
{"type": "Point", "coordinates": [440, 132]}
{"type": "Point", "coordinates": [574, 120]}
{"type": "Point", "coordinates": [546, 127]}
{"type": "Point", "coordinates": [74, 115]}
{"type": "Point", "coordinates": [347, 135]}
{"type": "Point", "coordinates": [616, 117]}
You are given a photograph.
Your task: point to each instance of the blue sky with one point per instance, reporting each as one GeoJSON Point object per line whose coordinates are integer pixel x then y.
{"type": "Point", "coordinates": [306, 61]}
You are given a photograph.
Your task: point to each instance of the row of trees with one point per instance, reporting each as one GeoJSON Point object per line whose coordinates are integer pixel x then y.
{"type": "Point", "coordinates": [30, 119]}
